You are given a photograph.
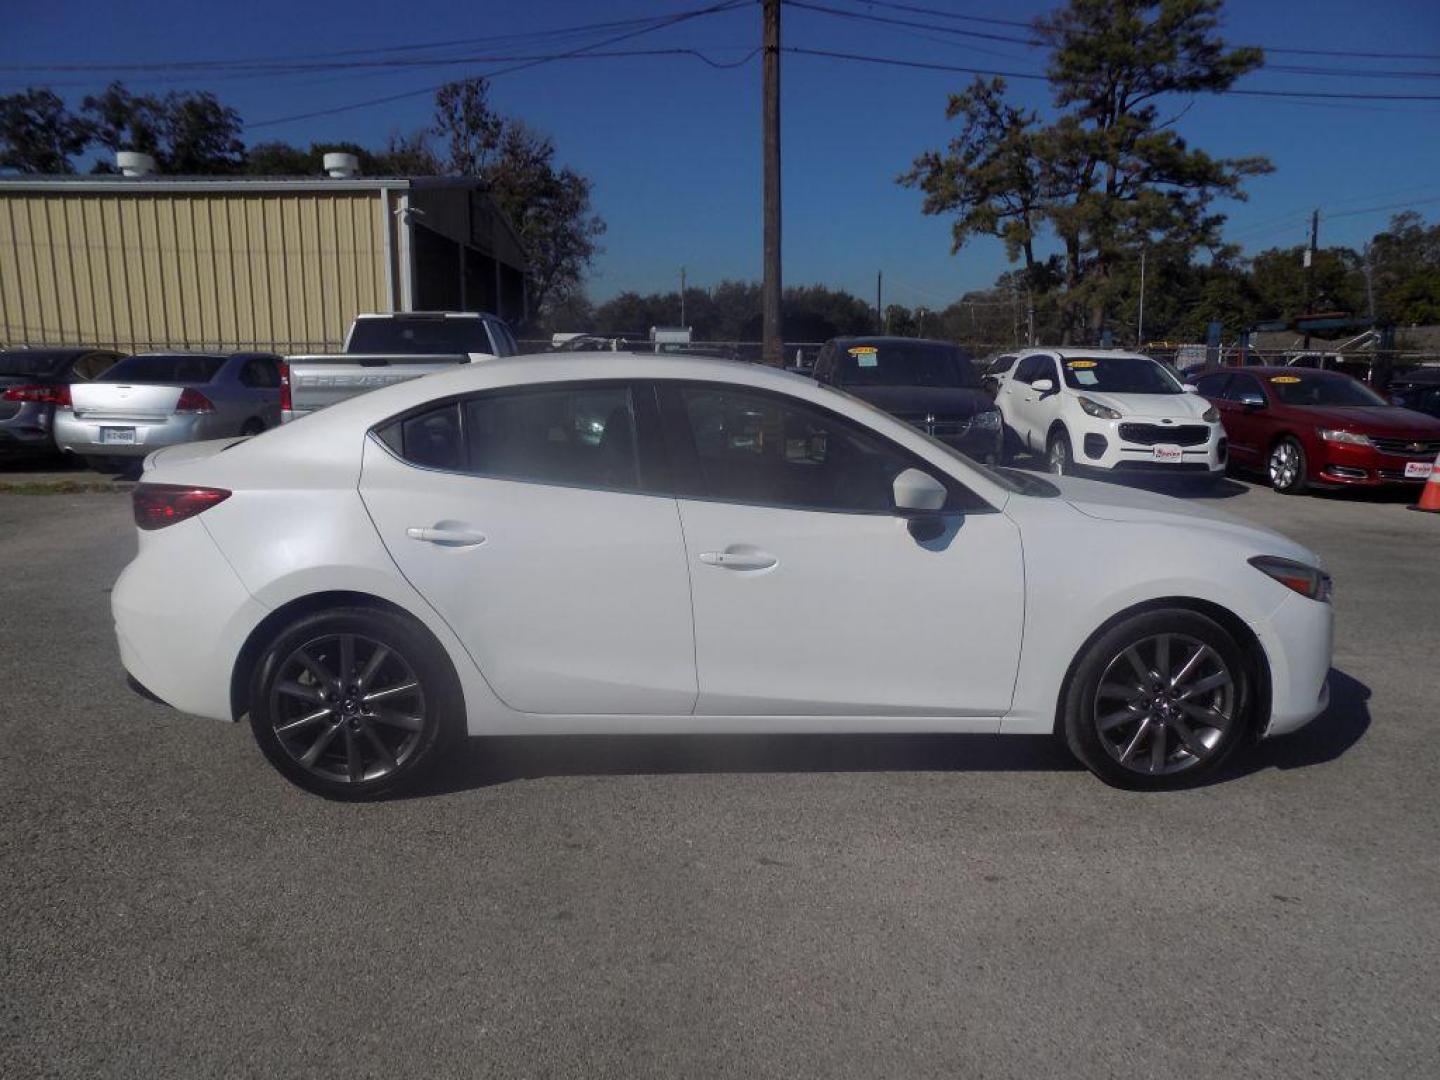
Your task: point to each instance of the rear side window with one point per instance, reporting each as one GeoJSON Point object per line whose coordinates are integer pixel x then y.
{"type": "Point", "coordinates": [581, 436]}
{"type": "Point", "coordinates": [177, 370]}
{"type": "Point", "coordinates": [1001, 365]}
{"type": "Point", "coordinates": [92, 365]}
{"type": "Point", "coordinates": [578, 436]}
{"type": "Point", "coordinates": [260, 374]}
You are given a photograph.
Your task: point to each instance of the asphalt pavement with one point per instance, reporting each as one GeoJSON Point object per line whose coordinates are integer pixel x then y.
{"type": "Point", "coordinates": [786, 907]}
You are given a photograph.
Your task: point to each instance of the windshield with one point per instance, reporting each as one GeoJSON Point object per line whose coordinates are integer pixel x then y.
{"type": "Point", "coordinates": [1119, 375]}
{"type": "Point", "coordinates": [419, 335]}
{"type": "Point", "coordinates": [33, 362]}
{"type": "Point", "coordinates": [906, 363]}
{"type": "Point", "coordinates": [177, 370]}
{"type": "Point", "coordinates": [1305, 388]}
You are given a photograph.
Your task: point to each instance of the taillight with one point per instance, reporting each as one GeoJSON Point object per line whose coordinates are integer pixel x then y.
{"type": "Point", "coordinates": [39, 395]}
{"type": "Point", "coordinates": [192, 401]}
{"type": "Point", "coordinates": [285, 403]}
{"type": "Point", "coordinates": [158, 505]}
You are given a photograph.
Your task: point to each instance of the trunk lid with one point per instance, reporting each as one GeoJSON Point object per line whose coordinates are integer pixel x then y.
{"type": "Point", "coordinates": [124, 401]}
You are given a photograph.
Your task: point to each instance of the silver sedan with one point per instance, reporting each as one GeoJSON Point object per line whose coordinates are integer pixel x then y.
{"type": "Point", "coordinates": [152, 400]}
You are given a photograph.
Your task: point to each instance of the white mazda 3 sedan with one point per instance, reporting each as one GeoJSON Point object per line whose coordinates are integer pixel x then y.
{"type": "Point", "coordinates": [1112, 412]}
{"type": "Point", "coordinates": [615, 543]}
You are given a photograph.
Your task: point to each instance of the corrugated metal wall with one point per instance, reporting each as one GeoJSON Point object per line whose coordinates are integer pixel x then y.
{"type": "Point", "coordinates": [220, 270]}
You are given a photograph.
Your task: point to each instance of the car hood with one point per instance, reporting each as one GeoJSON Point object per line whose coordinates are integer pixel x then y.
{"type": "Point", "coordinates": [1387, 420]}
{"type": "Point", "coordinates": [940, 400]}
{"type": "Point", "coordinates": [1183, 407]}
{"type": "Point", "coordinates": [1114, 502]}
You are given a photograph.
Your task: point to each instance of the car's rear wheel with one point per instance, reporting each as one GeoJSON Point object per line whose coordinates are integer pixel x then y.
{"type": "Point", "coordinates": [1058, 457]}
{"type": "Point", "coordinates": [252, 427]}
{"type": "Point", "coordinates": [1287, 466]}
{"type": "Point", "coordinates": [354, 703]}
{"type": "Point", "coordinates": [1158, 701]}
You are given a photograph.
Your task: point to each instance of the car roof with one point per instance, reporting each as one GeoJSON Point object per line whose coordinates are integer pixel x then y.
{"type": "Point", "coordinates": [897, 339]}
{"type": "Point", "coordinates": [1066, 352]}
{"type": "Point", "coordinates": [58, 352]}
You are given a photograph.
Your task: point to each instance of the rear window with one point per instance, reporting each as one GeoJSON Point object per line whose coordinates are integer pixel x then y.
{"type": "Point", "coordinates": [34, 362]}
{"type": "Point", "coordinates": [180, 370]}
{"type": "Point", "coordinates": [419, 335]}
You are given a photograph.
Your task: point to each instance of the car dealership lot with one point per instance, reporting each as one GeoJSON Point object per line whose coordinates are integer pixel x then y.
{"type": "Point", "coordinates": [788, 907]}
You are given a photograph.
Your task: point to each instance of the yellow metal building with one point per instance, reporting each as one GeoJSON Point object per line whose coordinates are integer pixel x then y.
{"type": "Point", "coordinates": [156, 262]}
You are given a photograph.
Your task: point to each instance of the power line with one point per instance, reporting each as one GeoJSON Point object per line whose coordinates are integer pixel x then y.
{"type": "Point", "coordinates": [1285, 49]}
{"type": "Point", "coordinates": [672, 20]}
{"type": "Point", "coordinates": [1378, 209]}
{"type": "Point", "coordinates": [893, 61]}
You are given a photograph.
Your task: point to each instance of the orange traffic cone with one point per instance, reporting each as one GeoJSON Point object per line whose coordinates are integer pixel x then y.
{"type": "Point", "coordinates": [1430, 493]}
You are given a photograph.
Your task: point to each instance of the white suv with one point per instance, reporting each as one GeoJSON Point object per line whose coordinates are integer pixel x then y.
{"type": "Point", "coordinates": [1110, 410]}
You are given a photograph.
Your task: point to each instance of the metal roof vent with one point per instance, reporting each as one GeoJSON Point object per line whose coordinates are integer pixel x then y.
{"type": "Point", "coordinates": [342, 166]}
{"type": "Point", "coordinates": [131, 163]}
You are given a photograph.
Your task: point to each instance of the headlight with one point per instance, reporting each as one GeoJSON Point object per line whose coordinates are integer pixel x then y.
{"type": "Point", "coordinates": [1210, 415]}
{"type": "Point", "coordinates": [1094, 408]}
{"type": "Point", "coordinates": [1336, 435]}
{"type": "Point", "coordinates": [1309, 581]}
{"type": "Point", "coordinates": [989, 420]}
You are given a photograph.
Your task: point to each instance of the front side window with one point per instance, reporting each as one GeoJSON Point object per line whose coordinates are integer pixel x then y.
{"type": "Point", "coordinates": [755, 448]}
{"type": "Point", "coordinates": [1212, 385]}
{"type": "Point", "coordinates": [1119, 375]}
{"type": "Point", "coordinates": [1245, 389]}
{"type": "Point", "coordinates": [260, 374]}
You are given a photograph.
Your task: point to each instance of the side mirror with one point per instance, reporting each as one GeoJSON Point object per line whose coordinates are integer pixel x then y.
{"type": "Point", "coordinates": [1044, 386]}
{"type": "Point", "coordinates": [1191, 388]}
{"type": "Point", "coordinates": [918, 492]}
{"type": "Point", "coordinates": [1253, 403]}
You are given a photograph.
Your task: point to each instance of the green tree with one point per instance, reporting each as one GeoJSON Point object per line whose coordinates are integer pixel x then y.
{"type": "Point", "coordinates": [1108, 176]}
{"type": "Point", "coordinates": [1278, 278]}
{"type": "Point", "coordinates": [549, 205]}
{"type": "Point", "coordinates": [188, 133]}
{"type": "Point", "coordinates": [1403, 262]}
{"type": "Point", "coordinates": [38, 134]}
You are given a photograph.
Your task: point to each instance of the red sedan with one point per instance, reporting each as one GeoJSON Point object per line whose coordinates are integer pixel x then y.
{"type": "Point", "coordinates": [1306, 428]}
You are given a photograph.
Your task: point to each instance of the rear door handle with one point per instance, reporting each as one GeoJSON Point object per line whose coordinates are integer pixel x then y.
{"type": "Point", "coordinates": [739, 560]}
{"type": "Point", "coordinates": [445, 537]}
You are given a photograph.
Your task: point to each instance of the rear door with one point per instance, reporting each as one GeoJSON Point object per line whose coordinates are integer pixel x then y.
{"type": "Point", "coordinates": [527, 519]}
{"type": "Point", "coordinates": [811, 597]}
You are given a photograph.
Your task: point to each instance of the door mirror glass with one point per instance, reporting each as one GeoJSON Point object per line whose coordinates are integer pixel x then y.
{"type": "Point", "coordinates": [1045, 386]}
{"type": "Point", "coordinates": [1252, 401]}
{"type": "Point", "coordinates": [918, 492]}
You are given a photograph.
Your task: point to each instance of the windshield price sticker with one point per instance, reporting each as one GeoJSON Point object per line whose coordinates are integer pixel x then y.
{"type": "Point", "coordinates": [866, 355]}
{"type": "Point", "coordinates": [1285, 379]}
{"type": "Point", "coordinates": [1073, 364]}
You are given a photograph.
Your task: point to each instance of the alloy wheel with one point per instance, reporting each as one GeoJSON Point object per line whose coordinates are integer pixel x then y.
{"type": "Point", "coordinates": [1284, 464]}
{"type": "Point", "coordinates": [347, 708]}
{"type": "Point", "coordinates": [1165, 704]}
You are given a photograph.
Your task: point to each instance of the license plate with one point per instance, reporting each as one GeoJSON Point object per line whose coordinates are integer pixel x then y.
{"type": "Point", "coordinates": [1418, 470]}
{"type": "Point", "coordinates": [1168, 452]}
{"type": "Point", "coordinates": [117, 435]}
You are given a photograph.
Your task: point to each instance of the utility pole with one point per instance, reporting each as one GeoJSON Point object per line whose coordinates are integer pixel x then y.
{"type": "Point", "coordinates": [879, 311]}
{"type": "Point", "coordinates": [770, 292]}
{"type": "Point", "coordinates": [1310, 265]}
{"type": "Point", "coordinates": [682, 296]}
{"type": "Point", "coordinates": [1140, 327]}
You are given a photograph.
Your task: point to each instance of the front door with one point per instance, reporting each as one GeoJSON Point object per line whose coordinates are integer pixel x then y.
{"type": "Point", "coordinates": [523, 518]}
{"type": "Point", "coordinates": [1244, 412]}
{"type": "Point", "coordinates": [810, 596]}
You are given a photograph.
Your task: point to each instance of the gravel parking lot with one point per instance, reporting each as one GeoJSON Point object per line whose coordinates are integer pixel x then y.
{"type": "Point", "coordinates": [722, 906]}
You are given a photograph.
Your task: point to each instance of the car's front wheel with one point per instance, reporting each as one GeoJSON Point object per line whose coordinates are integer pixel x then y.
{"type": "Point", "coordinates": [1058, 457]}
{"type": "Point", "coordinates": [354, 703]}
{"type": "Point", "coordinates": [1287, 466]}
{"type": "Point", "coordinates": [1160, 700]}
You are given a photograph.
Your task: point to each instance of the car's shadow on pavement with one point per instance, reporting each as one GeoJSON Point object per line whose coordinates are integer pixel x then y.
{"type": "Point", "coordinates": [490, 761]}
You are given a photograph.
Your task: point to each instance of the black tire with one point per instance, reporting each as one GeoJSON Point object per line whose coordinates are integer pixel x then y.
{"type": "Point", "coordinates": [414, 728]}
{"type": "Point", "coordinates": [1159, 725]}
{"type": "Point", "coordinates": [252, 426]}
{"type": "Point", "coordinates": [1011, 444]}
{"type": "Point", "coordinates": [1059, 457]}
{"type": "Point", "coordinates": [1290, 476]}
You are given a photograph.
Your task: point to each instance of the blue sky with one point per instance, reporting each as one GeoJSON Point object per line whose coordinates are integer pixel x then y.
{"type": "Point", "coordinates": [673, 144]}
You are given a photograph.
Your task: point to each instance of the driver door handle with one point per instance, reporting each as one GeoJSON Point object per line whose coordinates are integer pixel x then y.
{"type": "Point", "coordinates": [737, 560]}
{"type": "Point", "coordinates": [445, 537]}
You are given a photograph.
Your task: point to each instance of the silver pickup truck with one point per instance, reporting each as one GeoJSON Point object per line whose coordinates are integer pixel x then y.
{"type": "Point", "coordinates": [388, 348]}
